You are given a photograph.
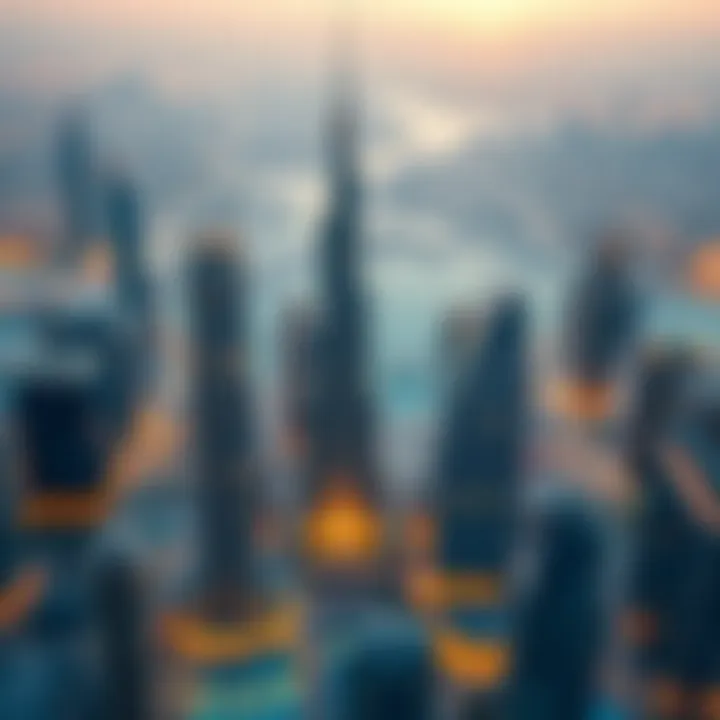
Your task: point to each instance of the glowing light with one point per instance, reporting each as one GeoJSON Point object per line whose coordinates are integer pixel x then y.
{"type": "Point", "coordinates": [20, 253]}
{"type": "Point", "coordinates": [580, 400]}
{"type": "Point", "coordinates": [57, 510]}
{"type": "Point", "coordinates": [702, 277]}
{"type": "Point", "coordinates": [343, 529]}
{"type": "Point", "coordinates": [473, 664]}
{"type": "Point", "coordinates": [206, 642]}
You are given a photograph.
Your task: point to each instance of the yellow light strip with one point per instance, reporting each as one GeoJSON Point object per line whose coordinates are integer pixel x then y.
{"type": "Point", "coordinates": [56, 510]}
{"type": "Point", "coordinates": [20, 253]}
{"type": "Point", "coordinates": [470, 589]}
{"type": "Point", "coordinates": [205, 642]}
{"type": "Point", "coordinates": [471, 663]}
{"type": "Point", "coordinates": [431, 591]}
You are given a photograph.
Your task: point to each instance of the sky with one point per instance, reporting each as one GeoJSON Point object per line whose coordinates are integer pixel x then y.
{"type": "Point", "coordinates": [498, 136]}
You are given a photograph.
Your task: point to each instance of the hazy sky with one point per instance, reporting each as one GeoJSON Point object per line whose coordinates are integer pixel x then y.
{"type": "Point", "coordinates": [449, 37]}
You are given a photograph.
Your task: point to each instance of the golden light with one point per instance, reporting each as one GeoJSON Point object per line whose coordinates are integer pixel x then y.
{"type": "Point", "coordinates": [430, 591]}
{"type": "Point", "coordinates": [343, 529]}
{"type": "Point", "coordinates": [579, 400]}
{"type": "Point", "coordinates": [423, 589]}
{"type": "Point", "coordinates": [205, 642]}
{"type": "Point", "coordinates": [18, 252]}
{"type": "Point", "coordinates": [471, 663]}
{"type": "Point", "coordinates": [60, 511]}
{"type": "Point", "coordinates": [702, 275]}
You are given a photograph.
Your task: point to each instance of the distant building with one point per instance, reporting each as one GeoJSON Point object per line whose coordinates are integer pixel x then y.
{"type": "Point", "coordinates": [125, 230]}
{"type": "Point", "coordinates": [299, 352]}
{"type": "Point", "coordinates": [76, 176]}
{"type": "Point", "coordinates": [601, 315]}
{"type": "Point", "coordinates": [461, 329]}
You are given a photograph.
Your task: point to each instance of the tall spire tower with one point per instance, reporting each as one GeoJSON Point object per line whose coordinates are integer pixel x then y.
{"type": "Point", "coordinates": [342, 481]}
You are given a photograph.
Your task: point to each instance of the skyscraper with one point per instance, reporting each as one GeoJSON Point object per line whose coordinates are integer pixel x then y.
{"type": "Point", "coordinates": [125, 674]}
{"type": "Point", "coordinates": [97, 330]}
{"type": "Point", "coordinates": [63, 451]}
{"type": "Point", "coordinates": [76, 185]}
{"type": "Point", "coordinates": [124, 224]}
{"type": "Point", "coordinates": [223, 447]}
{"type": "Point", "coordinates": [226, 631]}
{"type": "Point", "coordinates": [576, 523]}
{"type": "Point", "coordinates": [678, 582]}
{"type": "Point", "coordinates": [389, 675]}
{"type": "Point", "coordinates": [479, 468]}
{"type": "Point", "coordinates": [482, 445]}
{"type": "Point", "coordinates": [342, 526]}
{"type": "Point", "coordinates": [299, 351]}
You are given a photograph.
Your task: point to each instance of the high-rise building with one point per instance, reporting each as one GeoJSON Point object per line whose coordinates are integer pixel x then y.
{"type": "Point", "coordinates": [124, 225]}
{"type": "Point", "coordinates": [577, 519]}
{"type": "Point", "coordinates": [9, 496]}
{"type": "Point", "coordinates": [124, 641]}
{"type": "Point", "coordinates": [461, 328]}
{"type": "Point", "coordinates": [299, 352]}
{"type": "Point", "coordinates": [77, 186]}
{"type": "Point", "coordinates": [226, 479]}
{"type": "Point", "coordinates": [601, 315]}
{"type": "Point", "coordinates": [390, 674]}
{"type": "Point", "coordinates": [661, 526]}
{"type": "Point", "coordinates": [560, 627]}
{"type": "Point", "coordinates": [63, 452]}
{"type": "Point", "coordinates": [677, 583]}
{"type": "Point", "coordinates": [226, 631]}
{"type": "Point", "coordinates": [97, 330]}
{"type": "Point", "coordinates": [478, 477]}
{"type": "Point", "coordinates": [343, 527]}
{"type": "Point", "coordinates": [481, 453]}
